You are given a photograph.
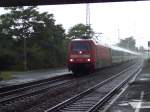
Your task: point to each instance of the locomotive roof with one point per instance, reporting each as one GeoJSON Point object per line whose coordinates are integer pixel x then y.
{"type": "Point", "coordinates": [81, 39]}
{"type": "Point", "coordinates": [93, 40]}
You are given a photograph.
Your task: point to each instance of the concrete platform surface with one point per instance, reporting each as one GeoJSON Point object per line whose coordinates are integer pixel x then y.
{"type": "Point", "coordinates": [23, 77]}
{"type": "Point", "coordinates": [136, 97]}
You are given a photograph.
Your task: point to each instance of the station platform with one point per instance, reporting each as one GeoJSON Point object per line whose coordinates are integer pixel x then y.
{"type": "Point", "coordinates": [136, 98]}
{"type": "Point", "coordinates": [24, 77]}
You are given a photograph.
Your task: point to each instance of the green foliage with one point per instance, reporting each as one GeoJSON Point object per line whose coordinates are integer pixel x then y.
{"type": "Point", "coordinates": [6, 75]}
{"type": "Point", "coordinates": [128, 43]}
{"type": "Point", "coordinates": [45, 41]}
{"type": "Point", "coordinates": [80, 31]}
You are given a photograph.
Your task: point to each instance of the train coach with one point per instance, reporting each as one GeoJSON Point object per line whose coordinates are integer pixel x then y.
{"type": "Point", "coordinates": [86, 55]}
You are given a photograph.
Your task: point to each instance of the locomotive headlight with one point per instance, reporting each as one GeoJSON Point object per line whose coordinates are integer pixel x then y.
{"type": "Point", "coordinates": [80, 52]}
{"type": "Point", "coordinates": [71, 60]}
{"type": "Point", "coordinates": [88, 60]}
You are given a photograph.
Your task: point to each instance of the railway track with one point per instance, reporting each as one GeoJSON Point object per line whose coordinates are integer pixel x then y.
{"type": "Point", "coordinates": [33, 91]}
{"type": "Point", "coordinates": [11, 93]}
{"type": "Point", "coordinates": [32, 88]}
{"type": "Point", "coordinates": [95, 97]}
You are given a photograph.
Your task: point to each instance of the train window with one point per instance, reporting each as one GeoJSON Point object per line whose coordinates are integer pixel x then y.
{"type": "Point", "coordinates": [81, 46]}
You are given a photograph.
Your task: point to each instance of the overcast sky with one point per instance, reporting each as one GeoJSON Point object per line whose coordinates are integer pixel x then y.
{"type": "Point", "coordinates": [131, 18]}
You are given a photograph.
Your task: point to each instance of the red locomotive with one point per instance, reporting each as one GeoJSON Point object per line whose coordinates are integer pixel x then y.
{"type": "Point", "coordinates": [87, 55]}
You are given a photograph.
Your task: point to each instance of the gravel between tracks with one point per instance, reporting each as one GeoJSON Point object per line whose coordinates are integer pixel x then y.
{"type": "Point", "coordinates": [49, 98]}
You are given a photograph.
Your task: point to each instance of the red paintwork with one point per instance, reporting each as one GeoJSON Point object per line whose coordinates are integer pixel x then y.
{"type": "Point", "coordinates": [97, 53]}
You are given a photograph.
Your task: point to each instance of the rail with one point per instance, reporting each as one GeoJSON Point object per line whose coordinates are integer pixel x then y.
{"type": "Point", "coordinates": [66, 103]}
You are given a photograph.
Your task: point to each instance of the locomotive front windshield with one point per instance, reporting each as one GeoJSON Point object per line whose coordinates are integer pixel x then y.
{"type": "Point", "coordinates": [81, 46]}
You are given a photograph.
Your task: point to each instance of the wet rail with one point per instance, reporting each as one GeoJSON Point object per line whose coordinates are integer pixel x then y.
{"type": "Point", "coordinates": [32, 88]}
{"type": "Point", "coordinates": [114, 91]}
{"type": "Point", "coordinates": [92, 98]}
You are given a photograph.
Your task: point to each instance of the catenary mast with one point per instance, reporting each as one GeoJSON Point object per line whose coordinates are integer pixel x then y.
{"type": "Point", "coordinates": [88, 32]}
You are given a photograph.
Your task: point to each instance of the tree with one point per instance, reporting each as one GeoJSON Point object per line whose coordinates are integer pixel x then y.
{"type": "Point", "coordinates": [35, 35]}
{"type": "Point", "coordinates": [80, 31]}
{"type": "Point", "coordinates": [128, 43]}
{"type": "Point", "coordinates": [7, 56]}
{"type": "Point", "coordinates": [141, 49]}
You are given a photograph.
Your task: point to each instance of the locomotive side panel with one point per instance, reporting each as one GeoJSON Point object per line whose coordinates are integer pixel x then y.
{"type": "Point", "coordinates": [103, 56]}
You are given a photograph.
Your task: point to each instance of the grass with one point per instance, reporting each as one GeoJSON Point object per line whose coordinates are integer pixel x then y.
{"type": "Point", "coordinates": [6, 75]}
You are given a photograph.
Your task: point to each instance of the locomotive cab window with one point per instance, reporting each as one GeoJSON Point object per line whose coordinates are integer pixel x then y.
{"type": "Point", "coordinates": [80, 46]}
